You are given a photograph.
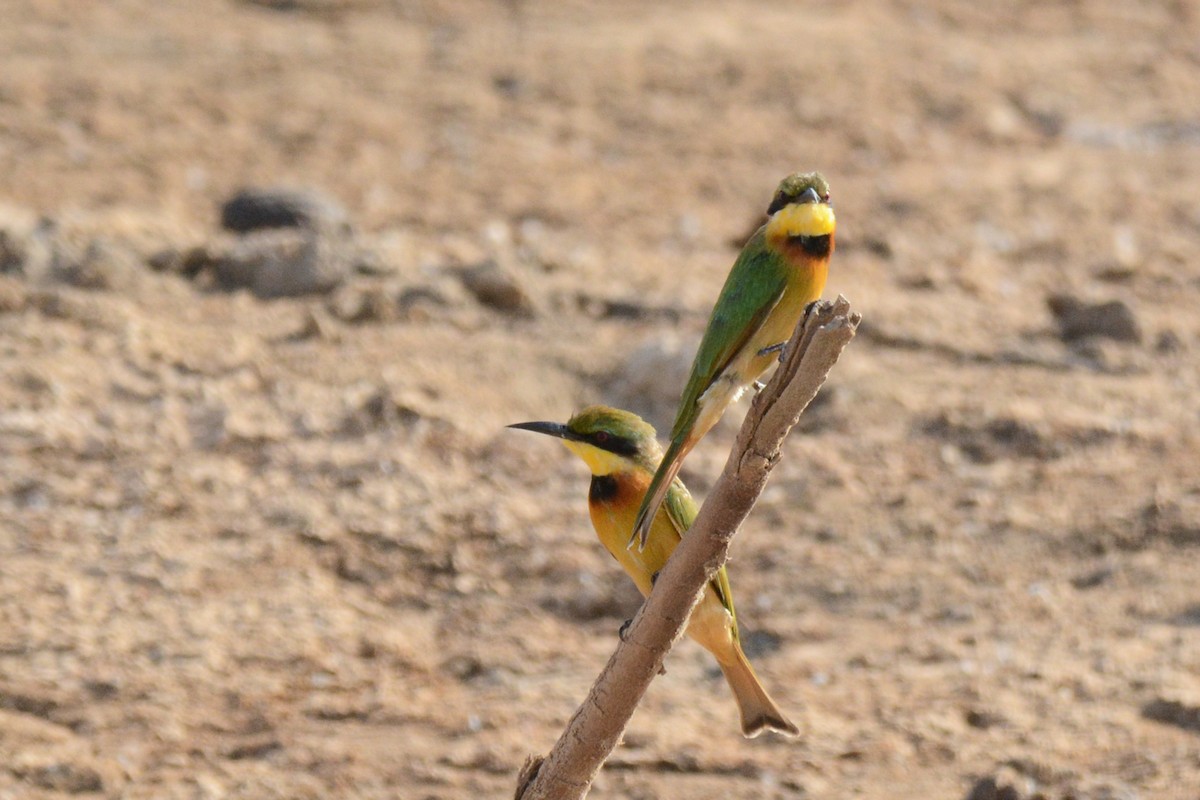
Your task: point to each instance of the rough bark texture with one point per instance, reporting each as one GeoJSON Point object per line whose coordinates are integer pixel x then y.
{"type": "Point", "coordinates": [597, 726]}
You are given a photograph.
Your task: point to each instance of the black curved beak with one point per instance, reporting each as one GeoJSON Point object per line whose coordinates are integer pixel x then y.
{"type": "Point", "coordinates": [809, 196]}
{"type": "Point", "coordinates": [554, 429]}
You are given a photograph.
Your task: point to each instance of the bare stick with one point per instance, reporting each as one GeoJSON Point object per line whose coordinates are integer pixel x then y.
{"type": "Point", "coordinates": [597, 727]}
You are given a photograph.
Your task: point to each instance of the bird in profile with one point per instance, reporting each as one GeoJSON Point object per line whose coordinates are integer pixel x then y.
{"type": "Point", "coordinates": [781, 270]}
{"type": "Point", "coordinates": [622, 452]}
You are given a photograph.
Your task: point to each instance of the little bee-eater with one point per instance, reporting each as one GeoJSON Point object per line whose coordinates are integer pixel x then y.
{"type": "Point", "coordinates": [781, 269]}
{"type": "Point", "coordinates": [622, 453]}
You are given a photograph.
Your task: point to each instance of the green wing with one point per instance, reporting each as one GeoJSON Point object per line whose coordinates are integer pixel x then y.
{"type": "Point", "coordinates": [755, 284]}
{"type": "Point", "coordinates": [681, 509]}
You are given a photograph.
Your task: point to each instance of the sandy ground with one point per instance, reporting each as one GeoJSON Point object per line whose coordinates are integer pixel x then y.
{"type": "Point", "coordinates": [258, 547]}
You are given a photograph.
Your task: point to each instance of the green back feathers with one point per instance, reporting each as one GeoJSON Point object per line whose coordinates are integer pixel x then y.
{"type": "Point", "coordinates": [755, 284]}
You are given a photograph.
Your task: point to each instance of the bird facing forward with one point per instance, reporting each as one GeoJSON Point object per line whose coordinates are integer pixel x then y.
{"type": "Point", "coordinates": [781, 269]}
{"type": "Point", "coordinates": [622, 453]}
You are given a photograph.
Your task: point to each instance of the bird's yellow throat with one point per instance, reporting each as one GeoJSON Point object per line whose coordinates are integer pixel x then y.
{"type": "Point", "coordinates": [801, 219]}
{"type": "Point", "coordinates": [600, 462]}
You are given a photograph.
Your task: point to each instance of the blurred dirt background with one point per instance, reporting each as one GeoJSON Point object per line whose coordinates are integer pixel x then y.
{"type": "Point", "coordinates": [264, 535]}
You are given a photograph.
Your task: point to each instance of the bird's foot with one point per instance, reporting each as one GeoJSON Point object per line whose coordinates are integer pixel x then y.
{"type": "Point", "coordinates": [623, 631]}
{"type": "Point", "coordinates": [758, 386]}
{"type": "Point", "coordinates": [775, 348]}
{"type": "Point", "coordinates": [653, 579]}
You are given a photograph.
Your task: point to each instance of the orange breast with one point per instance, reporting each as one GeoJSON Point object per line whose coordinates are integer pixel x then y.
{"type": "Point", "coordinates": [613, 503]}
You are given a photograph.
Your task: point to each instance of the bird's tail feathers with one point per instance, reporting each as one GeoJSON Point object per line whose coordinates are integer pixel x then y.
{"type": "Point", "coordinates": [758, 710]}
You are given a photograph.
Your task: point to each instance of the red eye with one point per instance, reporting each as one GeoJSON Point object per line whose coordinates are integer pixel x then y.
{"type": "Point", "coordinates": [601, 437]}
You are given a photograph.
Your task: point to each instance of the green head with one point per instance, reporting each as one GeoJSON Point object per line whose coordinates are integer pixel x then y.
{"type": "Point", "coordinates": [801, 188]}
{"type": "Point", "coordinates": [608, 439]}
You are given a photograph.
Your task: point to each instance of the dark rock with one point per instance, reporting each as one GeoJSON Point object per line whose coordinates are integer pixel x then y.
{"type": "Point", "coordinates": [420, 302]}
{"type": "Point", "coordinates": [312, 325]}
{"type": "Point", "coordinates": [879, 246]}
{"type": "Point", "coordinates": [1078, 320]}
{"type": "Point", "coordinates": [101, 689]}
{"type": "Point", "coordinates": [1174, 521]}
{"type": "Point", "coordinates": [1190, 616]}
{"type": "Point", "coordinates": [165, 260]}
{"type": "Point", "coordinates": [1115, 273]}
{"type": "Point", "coordinates": [464, 667]}
{"type": "Point", "coordinates": [1168, 342]}
{"type": "Point", "coordinates": [498, 288]}
{"type": "Point", "coordinates": [508, 85]}
{"type": "Point", "coordinates": [606, 308]}
{"type": "Point", "coordinates": [253, 747]}
{"type": "Point", "coordinates": [1018, 437]}
{"type": "Point", "coordinates": [987, 441]}
{"type": "Point", "coordinates": [261, 208]}
{"type": "Point", "coordinates": [188, 261]}
{"type": "Point", "coordinates": [1092, 578]}
{"type": "Point", "coordinates": [921, 282]}
{"type": "Point", "coordinates": [16, 229]}
{"type": "Point", "coordinates": [358, 304]}
{"type": "Point", "coordinates": [63, 777]}
{"type": "Point", "coordinates": [375, 409]}
{"type": "Point", "coordinates": [988, 788]}
{"type": "Point", "coordinates": [322, 9]}
{"type": "Point", "coordinates": [1173, 712]}
{"type": "Point", "coordinates": [283, 263]}
{"type": "Point", "coordinates": [27, 704]}
{"type": "Point", "coordinates": [339, 709]}
{"type": "Point", "coordinates": [12, 251]}
{"type": "Point", "coordinates": [758, 643]}
{"type": "Point", "coordinates": [982, 720]}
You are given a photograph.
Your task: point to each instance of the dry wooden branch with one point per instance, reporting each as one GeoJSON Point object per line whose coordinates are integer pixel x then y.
{"type": "Point", "coordinates": [597, 727]}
